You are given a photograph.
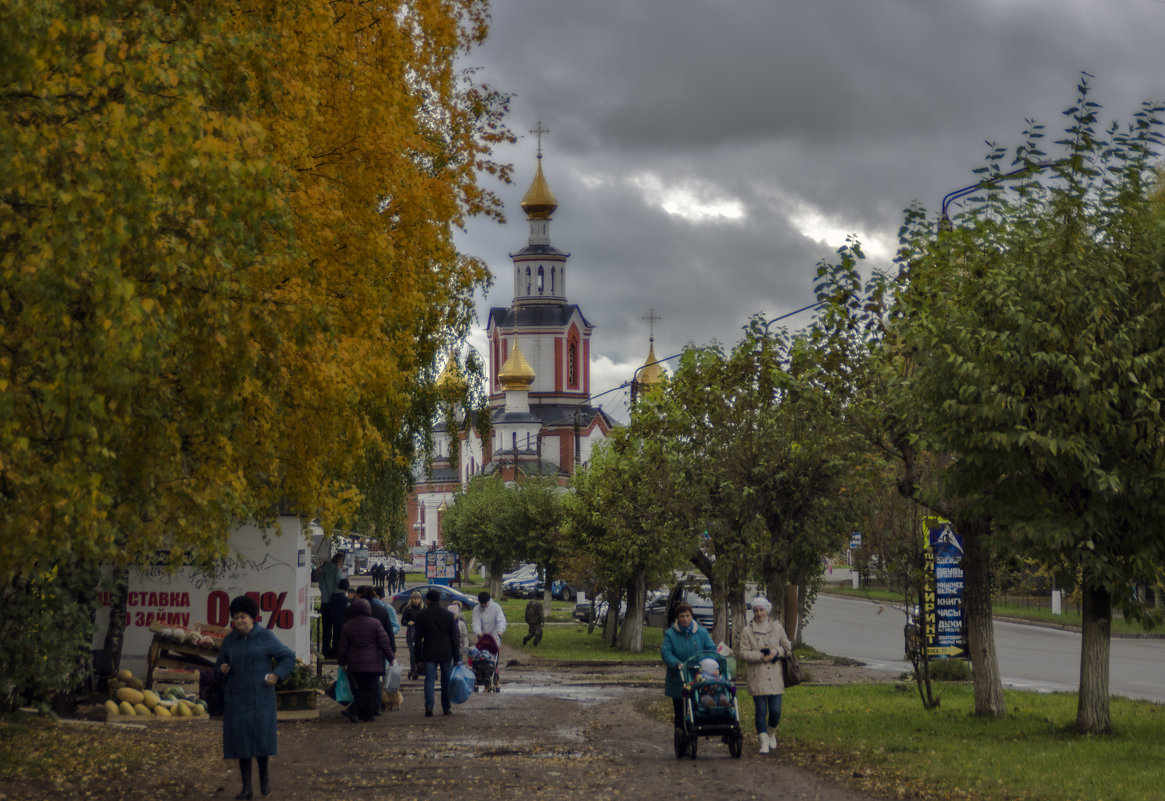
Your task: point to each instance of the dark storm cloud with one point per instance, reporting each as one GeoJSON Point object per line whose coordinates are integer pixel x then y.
{"type": "Point", "coordinates": [796, 122]}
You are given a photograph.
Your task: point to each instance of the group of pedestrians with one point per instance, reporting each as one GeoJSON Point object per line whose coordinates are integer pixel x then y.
{"type": "Point", "coordinates": [387, 578]}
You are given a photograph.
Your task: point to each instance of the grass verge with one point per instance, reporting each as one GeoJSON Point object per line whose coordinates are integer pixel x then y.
{"type": "Point", "coordinates": [877, 737]}
{"type": "Point", "coordinates": [570, 642]}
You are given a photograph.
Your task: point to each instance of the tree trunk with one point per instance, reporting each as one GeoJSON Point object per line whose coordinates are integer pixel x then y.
{"type": "Point", "coordinates": [985, 678]}
{"type": "Point", "coordinates": [792, 612]}
{"type": "Point", "coordinates": [115, 633]}
{"type": "Point", "coordinates": [611, 626]}
{"type": "Point", "coordinates": [737, 614]}
{"type": "Point", "coordinates": [775, 577]}
{"type": "Point", "coordinates": [631, 634]}
{"type": "Point", "coordinates": [1092, 716]}
{"type": "Point", "coordinates": [802, 581]}
{"type": "Point", "coordinates": [496, 566]}
{"type": "Point", "coordinates": [719, 611]}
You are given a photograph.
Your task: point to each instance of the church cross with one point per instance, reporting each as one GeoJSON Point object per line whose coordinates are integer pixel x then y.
{"type": "Point", "coordinates": [651, 317]}
{"type": "Point", "coordinates": [538, 130]}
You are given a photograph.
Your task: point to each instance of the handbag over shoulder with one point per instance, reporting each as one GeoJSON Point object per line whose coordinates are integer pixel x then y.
{"type": "Point", "coordinates": [791, 670]}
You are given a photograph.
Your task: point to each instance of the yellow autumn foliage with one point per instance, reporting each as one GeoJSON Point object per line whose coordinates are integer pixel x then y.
{"type": "Point", "coordinates": [226, 263]}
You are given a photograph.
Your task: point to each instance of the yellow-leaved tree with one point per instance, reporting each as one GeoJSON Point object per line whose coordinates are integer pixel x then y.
{"type": "Point", "coordinates": [226, 270]}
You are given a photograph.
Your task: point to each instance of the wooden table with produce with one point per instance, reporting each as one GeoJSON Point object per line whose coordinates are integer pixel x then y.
{"type": "Point", "coordinates": [183, 649]}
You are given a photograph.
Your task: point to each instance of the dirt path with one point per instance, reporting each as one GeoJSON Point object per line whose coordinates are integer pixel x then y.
{"type": "Point", "coordinates": [554, 732]}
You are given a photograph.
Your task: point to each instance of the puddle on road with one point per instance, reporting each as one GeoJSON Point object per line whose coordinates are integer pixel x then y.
{"type": "Point", "coordinates": [548, 686]}
{"type": "Point", "coordinates": [583, 694]}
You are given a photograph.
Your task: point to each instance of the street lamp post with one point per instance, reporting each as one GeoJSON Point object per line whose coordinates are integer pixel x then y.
{"type": "Point", "coordinates": [944, 222]}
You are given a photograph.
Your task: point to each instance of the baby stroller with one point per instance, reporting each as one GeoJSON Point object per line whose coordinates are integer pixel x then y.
{"type": "Point", "coordinates": [710, 707]}
{"type": "Point", "coordinates": [483, 658]}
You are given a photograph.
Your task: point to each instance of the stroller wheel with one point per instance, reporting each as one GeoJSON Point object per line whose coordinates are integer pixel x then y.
{"type": "Point", "coordinates": [692, 746]}
{"type": "Point", "coordinates": [681, 743]}
{"type": "Point", "coordinates": [736, 746]}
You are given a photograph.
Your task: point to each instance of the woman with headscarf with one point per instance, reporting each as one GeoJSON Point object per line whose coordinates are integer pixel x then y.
{"type": "Point", "coordinates": [682, 640]}
{"type": "Point", "coordinates": [364, 648]}
{"type": "Point", "coordinates": [244, 663]}
{"type": "Point", "coordinates": [762, 644]}
{"type": "Point", "coordinates": [408, 619]}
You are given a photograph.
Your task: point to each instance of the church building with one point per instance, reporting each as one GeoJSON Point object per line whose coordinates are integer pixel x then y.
{"type": "Point", "coordinates": [539, 383]}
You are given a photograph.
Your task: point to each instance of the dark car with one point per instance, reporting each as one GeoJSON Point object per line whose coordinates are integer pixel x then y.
{"type": "Point", "coordinates": [448, 595]}
{"type": "Point", "coordinates": [661, 611]}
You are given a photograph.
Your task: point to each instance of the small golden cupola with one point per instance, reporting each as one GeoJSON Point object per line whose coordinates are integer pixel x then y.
{"type": "Point", "coordinates": [539, 202]}
{"type": "Point", "coordinates": [652, 374]}
{"type": "Point", "coordinates": [516, 373]}
{"type": "Point", "coordinates": [451, 379]}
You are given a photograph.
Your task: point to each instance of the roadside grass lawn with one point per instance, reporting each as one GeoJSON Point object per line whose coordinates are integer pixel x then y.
{"type": "Point", "coordinates": [570, 641]}
{"type": "Point", "coordinates": [877, 737]}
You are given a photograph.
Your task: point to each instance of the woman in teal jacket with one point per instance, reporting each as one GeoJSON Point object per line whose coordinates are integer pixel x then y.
{"type": "Point", "coordinates": [682, 640]}
{"type": "Point", "coordinates": [248, 721]}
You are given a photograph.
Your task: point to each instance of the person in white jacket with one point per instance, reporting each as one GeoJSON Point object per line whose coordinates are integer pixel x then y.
{"type": "Point", "coordinates": [762, 644]}
{"type": "Point", "coordinates": [488, 618]}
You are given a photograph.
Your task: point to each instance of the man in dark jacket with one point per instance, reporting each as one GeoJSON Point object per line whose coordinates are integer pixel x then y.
{"type": "Point", "coordinates": [363, 649]}
{"type": "Point", "coordinates": [534, 619]}
{"type": "Point", "coordinates": [337, 613]}
{"type": "Point", "coordinates": [392, 578]}
{"type": "Point", "coordinates": [438, 647]}
{"type": "Point", "coordinates": [330, 574]}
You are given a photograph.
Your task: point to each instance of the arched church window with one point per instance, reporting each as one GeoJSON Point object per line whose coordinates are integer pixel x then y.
{"type": "Point", "coordinates": [541, 279]}
{"type": "Point", "coordinates": [514, 441]}
{"type": "Point", "coordinates": [572, 362]}
{"type": "Point", "coordinates": [527, 280]}
{"type": "Point", "coordinates": [551, 280]}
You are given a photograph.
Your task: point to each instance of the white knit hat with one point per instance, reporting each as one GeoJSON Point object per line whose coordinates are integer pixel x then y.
{"type": "Point", "coordinates": [761, 602]}
{"type": "Point", "coordinates": [709, 666]}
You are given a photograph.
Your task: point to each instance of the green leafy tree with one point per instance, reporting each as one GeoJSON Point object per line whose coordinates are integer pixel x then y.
{"type": "Point", "coordinates": [477, 525]}
{"type": "Point", "coordinates": [618, 514]}
{"type": "Point", "coordinates": [1040, 358]}
{"type": "Point", "coordinates": [753, 439]}
{"type": "Point", "coordinates": [536, 523]}
{"type": "Point", "coordinates": [858, 330]}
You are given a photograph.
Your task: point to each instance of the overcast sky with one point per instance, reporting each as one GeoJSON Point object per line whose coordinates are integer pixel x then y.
{"type": "Point", "coordinates": [706, 154]}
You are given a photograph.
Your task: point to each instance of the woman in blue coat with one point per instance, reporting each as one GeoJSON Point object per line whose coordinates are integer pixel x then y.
{"type": "Point", "coordinates": [682, 640]}
{"type": "Point", "coordinates": [248, 721]}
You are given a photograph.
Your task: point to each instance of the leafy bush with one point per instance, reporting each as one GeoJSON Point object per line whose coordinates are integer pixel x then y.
{"type": "Point", "coordinates": [47, 629]}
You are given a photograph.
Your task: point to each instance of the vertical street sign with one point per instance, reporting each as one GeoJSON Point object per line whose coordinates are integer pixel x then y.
{"type": "Point", "coordinates": [942, 612]}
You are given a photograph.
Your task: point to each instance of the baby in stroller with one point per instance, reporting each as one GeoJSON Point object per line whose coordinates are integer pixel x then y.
{"type": "Point", "coordinates": [712, 691]}
{"type": "Point", "coordinates": [483, 658]}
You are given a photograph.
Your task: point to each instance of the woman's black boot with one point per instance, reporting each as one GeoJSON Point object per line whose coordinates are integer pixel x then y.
{"type": "Point", "coordinates": [245, 771]}
{"type": "Point", "coordinates": [264, 777]}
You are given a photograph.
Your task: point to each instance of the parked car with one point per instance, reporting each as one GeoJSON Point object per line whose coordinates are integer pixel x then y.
{"type": "Point", "coordinates": [514, 583]}
{"type": "Point", "coordinates": [582, 611]}
{"type": "Point", "coordinates": [661, 611]}
{"type": "Point", "coordinates": [448, 595]}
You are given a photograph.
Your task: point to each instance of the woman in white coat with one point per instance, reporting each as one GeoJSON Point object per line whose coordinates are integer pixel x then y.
{"type": "Point", "coordinates": [762, 644]}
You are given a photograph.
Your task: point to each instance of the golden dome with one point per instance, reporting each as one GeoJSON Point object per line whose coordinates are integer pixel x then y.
{"type": "Point", "coordinates": [539, 202]}
{"type": "Point", "coordinates": [516, 373]}
{"type": "Point", "coordinates": [451, 378]}
{"type": "Point", "coordinates": [651, 373]}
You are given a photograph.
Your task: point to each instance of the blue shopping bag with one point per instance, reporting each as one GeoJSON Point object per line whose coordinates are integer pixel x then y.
{"type": "Point", "coordinates": [342, 690]}
{"type": "Point", "coordinates": [461, 682]}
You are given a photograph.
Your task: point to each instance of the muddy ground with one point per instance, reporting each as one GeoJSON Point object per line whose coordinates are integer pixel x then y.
{"type": "Point", "coordinates": [560, 732]}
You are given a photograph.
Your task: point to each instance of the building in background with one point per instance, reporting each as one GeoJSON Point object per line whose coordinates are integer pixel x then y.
{"type": "Point", "coordinates": [542, 420]}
